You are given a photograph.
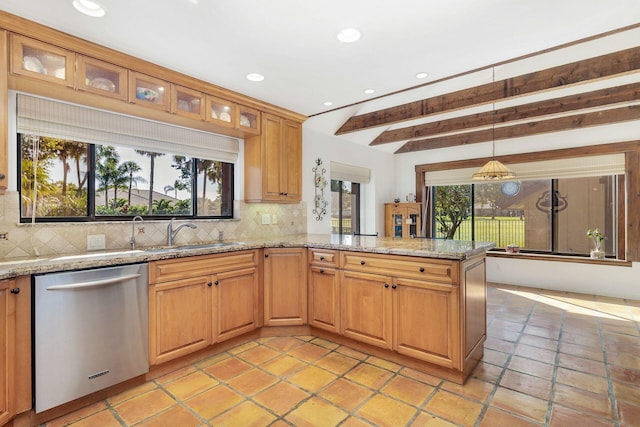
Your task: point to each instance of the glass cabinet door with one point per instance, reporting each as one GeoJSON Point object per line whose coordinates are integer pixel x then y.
{"type": "Point", "coordinates": [101, 78]}
{"type": "Point", "coordinates": [187, 102]}
{"type": "Point", "coordinates": [148, 91]}
{"type": "Point", "coordinates": [221, 112]}
{"type": "Point", "coordinates": [43, 61]}
{"type": "Point", "coordinates": [398, 220]}
{"type": "Point", "coordinates": [249, 119]}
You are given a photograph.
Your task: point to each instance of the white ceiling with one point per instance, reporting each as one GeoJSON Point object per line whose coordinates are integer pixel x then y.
{"type": "Point", "coordinates": [293, 42]}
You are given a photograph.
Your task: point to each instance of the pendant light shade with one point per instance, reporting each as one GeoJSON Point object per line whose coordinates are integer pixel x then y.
{"type": "Point", "coordinates": [494, 170]}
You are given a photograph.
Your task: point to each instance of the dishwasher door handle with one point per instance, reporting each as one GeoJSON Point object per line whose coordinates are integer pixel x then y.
{"type": "Point", "coordinates": [93, 283]}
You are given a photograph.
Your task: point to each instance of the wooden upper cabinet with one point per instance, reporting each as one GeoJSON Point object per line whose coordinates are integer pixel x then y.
{"type": "Point", "coordinates": [187, 102]}
{"type": "Point", "coordinates": [221, 112]}
{"type": "Point", "coordinates": [101, 78]}
{"type": "Point", "coordinates": [248, 119]}
{"type": "Point", "coordinates": [273, 162]}
{"type": "Point", "coordinates": [41, 60]}
{"type": "Point", "coordinates": [149, 91]}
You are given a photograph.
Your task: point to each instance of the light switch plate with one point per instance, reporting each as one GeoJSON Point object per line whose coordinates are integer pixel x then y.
{"type": "Point", "coordinates": [266, 219]}
{"type": "Point", "coordinates": [95, 242]}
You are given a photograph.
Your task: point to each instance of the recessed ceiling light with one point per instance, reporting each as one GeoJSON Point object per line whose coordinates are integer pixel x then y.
{"type": "Point", "coordinates": [368, 91]}
{"type": "Point", "coordinates": [349, 35]}
{"type": "Point", "coordinates": [422, 75]}
{"type": "Point", "coordinates": [89, 8]}
{"type": "Point", "coordinates": [255, 77]}
{"type": "Point", "coordinates": [327, 103]}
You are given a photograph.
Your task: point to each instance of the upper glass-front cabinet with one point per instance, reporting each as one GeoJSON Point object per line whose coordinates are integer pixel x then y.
{"type": "Point", "coordinates": [187, 102]}
{"type": "Point", "coordinates": [149, 91]}
{"type": "Point", "coordinates": [101, 78]}
{"type": "Point", "coordinates": [248, 119]}
{"type": "Point", "coordinates": [41, 60]}
{"type": "Point", "coordinates": [221, 111]}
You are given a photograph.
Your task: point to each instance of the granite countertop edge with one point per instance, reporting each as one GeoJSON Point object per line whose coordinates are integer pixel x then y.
{"type": "Point", "coordinates": [427, 248]}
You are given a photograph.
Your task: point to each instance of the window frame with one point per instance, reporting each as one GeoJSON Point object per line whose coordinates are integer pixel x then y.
{"type": "Point", "coordinates": [228, 171]}
{"type": "Point", "coordinates": [355, 191]}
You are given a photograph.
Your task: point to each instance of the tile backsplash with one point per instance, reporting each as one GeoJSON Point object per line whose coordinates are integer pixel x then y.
{"type": "Point", "coordinates": [65, 238]}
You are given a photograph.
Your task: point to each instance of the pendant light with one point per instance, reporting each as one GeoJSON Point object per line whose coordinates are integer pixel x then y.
{"type": "Point", "coordinates": [493, 170]}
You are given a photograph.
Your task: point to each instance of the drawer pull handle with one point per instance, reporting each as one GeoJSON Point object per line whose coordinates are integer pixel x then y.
{"type": "Point", "coordinates": [321, 258]}
{"type": "Point", "coordinates": [266, 255]}
{"type": "Point", "coordinates": [394, 286]}
{"type": "Point", "coordinates": [386, 285]}
{"type": "Point", "coordinates": [15, 291]}
{"type": "Point", "coordinates": [216, 283]}
{"type": "Point", "coordinates": [209, 284]}
{"type": "Point", "coordinates": [421, 269]}
{"type": "Point", "coordinates": [362, 262]}
{"type": "Point", "coordinates": [321, 271]}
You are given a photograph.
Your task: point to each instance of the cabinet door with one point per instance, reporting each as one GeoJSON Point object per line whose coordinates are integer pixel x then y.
{"type": "Point", "coordinates": [235, 300]}
{"type": "Point", "coordinates": [285, 286]}
{"type": "Point", "coordinates": [179, 318]}
{"type": "Point", "coordinates": [7, 328]}
{"type": "Point", "coordinates": [324, 298]}
{"type": "Point", "coordinates": [412, 220]}
{"type": "Point", "coordinates": [290, 172]}
{"type": "Point", "coordinates": [42, 61]}
{"type": "Point", "coordinates": [271, 158]}
{"type": "Point", "coordinates": [366, 308]}
{"type": "Point", "coordinates": [101, 78]}
{"type": "Point", "coordinates": [425, 321]}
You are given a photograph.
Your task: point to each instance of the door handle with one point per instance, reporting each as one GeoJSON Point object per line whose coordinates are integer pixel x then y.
{"type": "Point", "coordinates": [93, 283]}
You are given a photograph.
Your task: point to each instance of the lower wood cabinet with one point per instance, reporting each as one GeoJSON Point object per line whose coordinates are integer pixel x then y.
{"type": "Point", "coordinates": [324, 298]}
{"type": "Point", "coordinates": [285, 286]}
{"type": "Point", "coordinates": [7, 351]}
{"type": "Point", "coordinates": [191, 313]}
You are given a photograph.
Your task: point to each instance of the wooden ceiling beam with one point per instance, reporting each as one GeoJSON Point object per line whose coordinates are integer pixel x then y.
{"type": "Point", "coordinates": [604, 66]}
{"type": "Point", "coordinates": [594, 118]}
{"type": "Point", "coordinates": [597, 98]}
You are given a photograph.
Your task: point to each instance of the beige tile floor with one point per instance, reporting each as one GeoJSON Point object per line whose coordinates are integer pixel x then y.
{"type": "Point", "coordinates": [551, 359]}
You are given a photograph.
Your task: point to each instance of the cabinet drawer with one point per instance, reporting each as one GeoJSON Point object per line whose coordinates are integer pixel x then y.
{"type": "Point", "coordinates": [324, 258]}
{"type": "Point", "coordinates": [444, 271]}
{"type": "Point", "coordinates": [174, 269]}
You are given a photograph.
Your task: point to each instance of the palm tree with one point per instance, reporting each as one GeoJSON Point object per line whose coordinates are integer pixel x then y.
{"type": "Point", "coordinates": [129, 169]}
{"type": "Point", "coordinates": [162, 206]}
{"type": "Point", "coordinates": [107, 159]}
{"type": "Point", "coordinates": [152, 156]}
{"type": "Point", "coordinates": [78, 152]}
{"type": "Point", "coordinates": [211, 171]}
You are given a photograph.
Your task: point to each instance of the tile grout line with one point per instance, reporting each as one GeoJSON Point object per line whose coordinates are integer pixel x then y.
{"type": "Point", "coordinates": [610, 389]}
{"type": "Point", "coordinates": [556, 366]}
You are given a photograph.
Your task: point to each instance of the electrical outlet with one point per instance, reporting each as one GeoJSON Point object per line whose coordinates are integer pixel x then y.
{"type": "Point", "coordinates": [95, 242]}
{"type": "Point", "coordinates": [266, 219]}
{"type": "Point", "coordinates": [274, 219]}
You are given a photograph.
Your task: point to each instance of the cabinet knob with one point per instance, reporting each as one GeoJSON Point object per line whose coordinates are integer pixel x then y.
{"type": "Point", "coordinates": [2, 176]}
{"type": "Point", "coordinates": [321, 271]}
{"type": "Point", "coordinates": [14, 290]}
{"type": "Point", "coordinates": [421, 269]}
{"type": "Point", "coordinates": [362, 262]}
{"type": "Point", "coordinates": [394, 286]}
{"type": "Point", "coordinates": [209, 284]}
{"type": "Point", "coordinates": [266, 255]}
{"type": "Point", "coordinates": [386, 285]}
{"type": "Point", "coordinates": [321, 258]}
{"type": "Point", "coordinates": [216, 283]}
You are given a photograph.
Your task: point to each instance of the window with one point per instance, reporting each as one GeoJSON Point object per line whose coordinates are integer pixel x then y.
{"type": "Point", "coordinates": [64, 180]}
{"type": "Point", "coordinates": [345, 207]}
{"type": "Point", "coordinates": [539, 215]}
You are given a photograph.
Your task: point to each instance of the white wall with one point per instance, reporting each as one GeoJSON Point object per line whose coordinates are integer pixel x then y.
{"type": "Point", "coordinates": [374, 195]}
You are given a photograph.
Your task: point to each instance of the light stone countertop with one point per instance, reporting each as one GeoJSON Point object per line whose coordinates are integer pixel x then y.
{"type": "Point", "coordinates": [427, 248]}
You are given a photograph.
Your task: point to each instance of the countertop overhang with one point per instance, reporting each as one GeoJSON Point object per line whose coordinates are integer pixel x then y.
{"type": "Point", "coordinates": [426, 248]}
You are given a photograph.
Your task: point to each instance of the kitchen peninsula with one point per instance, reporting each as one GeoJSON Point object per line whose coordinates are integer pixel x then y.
{"type": "Point", "coordinates": [418, 302]}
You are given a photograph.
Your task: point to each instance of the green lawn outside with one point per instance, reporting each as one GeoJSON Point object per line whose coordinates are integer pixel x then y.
{"type": "Point", "coordinates": [503, 230]}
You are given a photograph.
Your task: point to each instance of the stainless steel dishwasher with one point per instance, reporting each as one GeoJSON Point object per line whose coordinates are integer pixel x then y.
{"type": "Point", "coordinates": [90, 331]}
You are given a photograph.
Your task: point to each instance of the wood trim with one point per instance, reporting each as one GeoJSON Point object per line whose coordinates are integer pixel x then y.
{"type": "Point", "coordinates": [579, 72]}
{"type": "Point", "coordinates": [576, 121]}
{"type": "Point", "coordinates": [563, 153]}
{"type": "Point", "coordinates": [22, 26]}
{"type": "Point", "coordinates": [632, 168]}
{"type": "Point", "coordinates": [622, 203]}
{"type": "Point", "coordinates": [560, 258]}
{"type": "Point", "coordinates": [22, 378]}
{"type": "Point", "coordinates": [597, 98]}
{"type": "Point", "coordinates": [4, 117]}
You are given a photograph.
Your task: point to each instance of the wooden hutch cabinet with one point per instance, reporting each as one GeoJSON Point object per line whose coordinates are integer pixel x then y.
{"type": "Point", "coordinates": [402, 220]}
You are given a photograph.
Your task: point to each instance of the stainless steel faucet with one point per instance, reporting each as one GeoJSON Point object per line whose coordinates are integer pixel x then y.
{"type": "Point", "coordinates": [132, 239]}
{"type": "Point", "coordinates": [171, 233]}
